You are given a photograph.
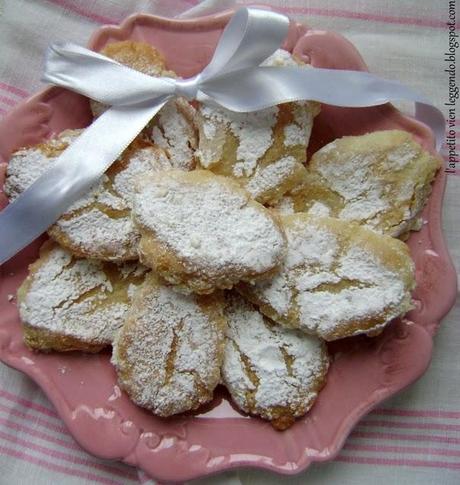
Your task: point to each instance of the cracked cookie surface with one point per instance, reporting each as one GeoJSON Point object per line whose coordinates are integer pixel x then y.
{"type": "Point", "coordinates": [169, 352]}
{"type": "Point", "coordinates": [99, 224]}
{"type": "Point", "coordinates": [200, 231]}
{"type": "Point", "coordinates": [381, 180]}
{"type": "Point", "coordinates": [263, 151]}
{"type": "Point", "coordinates": [173, 128]}
{"type": "Point", "coordinates": [338, 279]}
{"type": "Point", "coordinates": [270, 371]}
{"type": "Point", "coordinates": [68, 303]}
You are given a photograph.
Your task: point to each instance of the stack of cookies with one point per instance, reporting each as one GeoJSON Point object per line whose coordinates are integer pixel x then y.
{"type": "Point", "coordinates": [211, 253]}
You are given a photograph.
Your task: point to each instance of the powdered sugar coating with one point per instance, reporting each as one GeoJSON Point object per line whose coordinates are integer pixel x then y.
{"type": "Point", "coordinates": [86, 300]}
{"type": "Point", "coordinates": [140, 161]}
{"type": "Point", "coordinates": [298, 131]}
{"type": "Point", "coordinates": [319, 209]}
{"type": "Point", "coordinates": [203, 232]}
{"type": "Point", "coordinates": [27, 164]}
{"type": "Point", "coordinates": [285, 205]}
{"type": "Point", "coordinates": [173, 129]}
{"type": "Point", "coordinates": [337, 279]}
{"type": "Point", "coordinates": [246, 145]}
{"type": "Point", "coordinates": [169, 352]}
{"type": "Point", "coordinates": [253, 131]}
{"type": "Point", "coordinates": [269, 370]}
{"type": "Point", "coordinates": [99, 224]}
{"type": "Point", "coordinates": [266, 178]}
{"type": "Point", "coordinates": [95, 234]}
{"type": "Point", "coordinates": [380, 180]}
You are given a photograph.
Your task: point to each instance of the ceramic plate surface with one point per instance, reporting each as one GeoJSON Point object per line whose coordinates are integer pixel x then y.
{"type": "Point", "coordinates": [364, 371]}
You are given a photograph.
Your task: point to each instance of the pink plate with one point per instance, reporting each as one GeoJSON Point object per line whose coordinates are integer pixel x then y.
{"type": "Point", "coordinates": [364, 372]}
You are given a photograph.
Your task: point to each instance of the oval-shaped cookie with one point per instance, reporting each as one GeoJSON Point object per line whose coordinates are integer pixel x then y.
{"type": "Point", "coordinates": [270, 371]}
{"type": "Point", "coordinates": [169, 352]}
{"type": "Point", "coordinates": [263, 151]}
{"type": "Point", "coordinates": [68, 303]}
{"type": "Point", "coordinates": [99, 224]}
{"type": "Point", "coordinates": [338, 279]}
{"type": "Point", "coordinates": [200, 231]}
{"type": "Point", "coordinates": [381, 180]}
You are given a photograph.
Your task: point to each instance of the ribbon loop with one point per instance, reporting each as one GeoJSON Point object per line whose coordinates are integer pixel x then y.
{"type": "Point", "coordinates": [250, 37]}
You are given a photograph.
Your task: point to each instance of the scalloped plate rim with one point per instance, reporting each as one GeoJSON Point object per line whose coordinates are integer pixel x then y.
{"type": "Point", "coordinates": [436, 235]}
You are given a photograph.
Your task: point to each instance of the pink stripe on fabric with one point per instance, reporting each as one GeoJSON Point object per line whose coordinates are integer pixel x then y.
{"type": "Point", "coordinates": [20, 455]}
{"type": "Point", "coordinates": [428, 413]}
{"type": "Point", "coordinates": [83, 12]}
{"type": "Point", "coordinates": [66, 456]}
{"type": "Point", "coordinates": [39, 434]}
{"type": "Point", "coordinates": [424, 22]}
{"type": "Point", "coordinates": [8, 101]}
{"type": "Point", "coordinates": [35, 419]}
{"type": "Point", "coordinates": [405, 437]}
{"type": "Point", "coordinates": [364, 460]}
{"type": "Point", "coordinates": [348, 14]}
{"type": "Point", "coordinates": [3, 111]}
{"type": "Point", "coordinates": [44, 436]}
{"type": "Point", "coordinates": [401, 449]}
{"type": "Point", "coordinates": [14, 90]}
{"type": "Point", "coordinates": [28, 404]}
{"type": "Point", "coordinates": [414, 425]}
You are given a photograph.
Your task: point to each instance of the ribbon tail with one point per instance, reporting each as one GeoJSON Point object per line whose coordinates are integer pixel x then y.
{"type": "Point", "coordinates": [259, 88]}
{"type": "Point", "coordinates": [434, 118]}
{"type": "Point", "coordinates": [77, 169]}
{"type": "Point", "coordinates": [73, 67]}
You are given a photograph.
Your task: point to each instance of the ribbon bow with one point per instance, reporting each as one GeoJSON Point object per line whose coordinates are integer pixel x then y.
{"type": "Point", "coordinates": [233, 79]}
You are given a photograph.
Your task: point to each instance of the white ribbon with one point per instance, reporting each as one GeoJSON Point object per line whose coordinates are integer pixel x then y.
{"type": "Point", "coordinates": [233, 79]}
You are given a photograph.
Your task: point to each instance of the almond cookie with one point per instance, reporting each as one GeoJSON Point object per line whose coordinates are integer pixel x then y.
{"type": "Point", "coordinates": [99, 224]}
{"type": "Point", "coordinates": [270, 371]}
{"type": "Point", "coordinates": [264, 151]}
{"type": "Point", "coordinates": [200, 231]}
{"type": "Point", "coordinates": [173, 128]}
{"type": "Point", "coordinates": [68, 303]}
{"type": "Point", "coordinates": [380, 180]}
{"type": "Point", "coordinates": [169, 352]}
{"type": "Point", "coordinates": [338, 279]}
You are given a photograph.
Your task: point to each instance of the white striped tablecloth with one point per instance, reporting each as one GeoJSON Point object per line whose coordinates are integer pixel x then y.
{"type": "Point", "coordinates": [413, 438]}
